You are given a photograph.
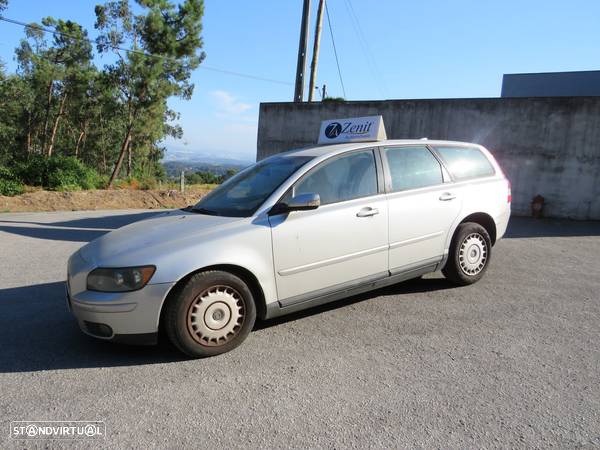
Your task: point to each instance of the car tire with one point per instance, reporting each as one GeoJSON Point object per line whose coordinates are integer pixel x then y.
{"type": "Point", "coordinates": [212, 313]}
{"type": "Point", "coordinates": [470, 254]}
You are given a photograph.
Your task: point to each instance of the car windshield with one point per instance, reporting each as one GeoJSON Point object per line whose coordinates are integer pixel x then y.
{"type": "Point", "coordinates": [242, 194]}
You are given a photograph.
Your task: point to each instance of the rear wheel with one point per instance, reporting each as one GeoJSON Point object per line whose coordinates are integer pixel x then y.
{"type": "Point", "coordinates": [470, 254]}
{"type": "Point", "coordinates": [211, 314]}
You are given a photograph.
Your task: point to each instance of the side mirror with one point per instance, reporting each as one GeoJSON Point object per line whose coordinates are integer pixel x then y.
{"type": "Point", "coordinates": [302, 202]}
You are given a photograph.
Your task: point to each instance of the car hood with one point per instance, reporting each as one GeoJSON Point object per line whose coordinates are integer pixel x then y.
{"type": "Point", "coordinates": [160, 230]}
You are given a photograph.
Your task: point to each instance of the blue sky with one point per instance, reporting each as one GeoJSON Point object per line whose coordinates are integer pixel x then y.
{"type": "Point", "coordinates": [412, 49]}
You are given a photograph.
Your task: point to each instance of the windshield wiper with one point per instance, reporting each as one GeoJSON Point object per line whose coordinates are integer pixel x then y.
{"type": "Point", "coordinates": [208, 212]}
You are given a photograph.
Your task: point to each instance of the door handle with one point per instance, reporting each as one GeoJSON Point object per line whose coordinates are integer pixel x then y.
{"type": "Point", "coordinates": [447, 196]}
{"type": "Point", "coordinates": [367, 212]}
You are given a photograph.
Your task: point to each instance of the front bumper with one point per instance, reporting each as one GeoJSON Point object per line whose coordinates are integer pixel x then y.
{"type": "Point", "coordinates": [130, 316]}
{"type": "Point", "coordinates": [115, 316]}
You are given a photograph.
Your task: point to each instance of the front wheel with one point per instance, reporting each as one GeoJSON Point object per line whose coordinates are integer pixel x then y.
{"type": "Point", "coordinates": [470, 254]}
{"type": "Point", "coordinates": [211, 314]}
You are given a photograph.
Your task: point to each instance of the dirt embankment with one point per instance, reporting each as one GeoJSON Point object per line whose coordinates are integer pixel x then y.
{"type": "Point", "coordinates": [100, 199]}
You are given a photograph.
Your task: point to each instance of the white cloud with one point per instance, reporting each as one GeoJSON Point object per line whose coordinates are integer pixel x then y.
{"type": "Point", "coordinates": [227, 103]}
{"type": "Point", "coordinates": [227, 139]}
{"type": "Point", "coordinates": [225, 127]}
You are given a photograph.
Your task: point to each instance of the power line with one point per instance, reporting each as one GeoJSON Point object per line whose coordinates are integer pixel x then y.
{"type": "Point", "coordinates": [373, 67]}
{"type": "Point", "coordinates": [150, 55]}
{"type": "Point", "coordinates": [337, 61]}
{"type": "Point", "coordinates": [363, 39]}
{"type": "Point", "coordinates": [244, 75]}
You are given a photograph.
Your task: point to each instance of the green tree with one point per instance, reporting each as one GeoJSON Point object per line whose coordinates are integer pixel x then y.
{"type": "Point", "coordinates": [14, 91]}
{"type": "Point", "coordinates": [229, 173]}
{"type": "Point", "coordinates": [59, 105]}
{"type": "Point", "coordinates": [74, 54]}
{"type": "Point", "coordinates": [163, 44]}
{"type": "Point", "coordinates": [99, 124]}
{"type": "Point", "coordinates": [55, 71]}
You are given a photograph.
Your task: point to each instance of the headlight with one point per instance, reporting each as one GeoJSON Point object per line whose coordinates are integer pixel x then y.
{"type": "Point", "coordinates": [119, 280]}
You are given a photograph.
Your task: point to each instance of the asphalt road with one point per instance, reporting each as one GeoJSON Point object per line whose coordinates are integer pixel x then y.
{"type": "Point", "coordinates": [513, 361]}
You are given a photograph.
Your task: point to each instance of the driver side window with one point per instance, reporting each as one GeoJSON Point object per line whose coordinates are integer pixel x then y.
{"type": "Point", "coordinates": [344, 178]}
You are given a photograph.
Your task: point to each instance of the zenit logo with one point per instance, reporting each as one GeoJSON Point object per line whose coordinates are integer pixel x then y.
{"type": "Point", "coordinates": [334, 129]}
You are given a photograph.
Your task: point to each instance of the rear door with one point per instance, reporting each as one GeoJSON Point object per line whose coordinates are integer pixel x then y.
{"type": "Point", "coordinates": [341, 243]}
{"type": "Point", "coordinates": [422, 207]}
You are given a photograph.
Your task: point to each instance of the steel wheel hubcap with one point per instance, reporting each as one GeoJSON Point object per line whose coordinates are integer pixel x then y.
{"type": "Point", "coordinates": [216, 315]}
{"type": "Point", "coordinates": [472, 255]}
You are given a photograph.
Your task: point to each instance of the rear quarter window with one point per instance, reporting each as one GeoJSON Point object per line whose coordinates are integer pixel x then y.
{"type": "Point", "coordinates": [465, 162]}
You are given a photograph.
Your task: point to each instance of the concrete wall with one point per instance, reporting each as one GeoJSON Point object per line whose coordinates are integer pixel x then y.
{"type": "Point", "coordinates": [548, 146]}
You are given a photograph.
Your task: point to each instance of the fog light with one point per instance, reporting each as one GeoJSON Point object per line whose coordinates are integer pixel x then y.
{"type": "Point", "coordinates": [99, 329]}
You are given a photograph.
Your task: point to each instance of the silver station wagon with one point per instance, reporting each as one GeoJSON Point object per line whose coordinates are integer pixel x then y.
{"type": "Point", "coordinates": [295, 230]}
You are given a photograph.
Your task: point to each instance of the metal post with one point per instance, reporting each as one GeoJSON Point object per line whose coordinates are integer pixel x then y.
{"type": "Point", "coordinates": [301, 67]}
{"type": "Point", "coordinates": [315, 55]}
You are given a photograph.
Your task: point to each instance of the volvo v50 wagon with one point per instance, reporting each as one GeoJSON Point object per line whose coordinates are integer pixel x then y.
{"type": "Point", "coordinates": [295, 230]}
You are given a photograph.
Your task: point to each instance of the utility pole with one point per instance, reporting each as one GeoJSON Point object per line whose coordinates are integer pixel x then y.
{"type": "Point", "coordinates": [315, 55]}
{"type": "Point", "coordinates": [301, 67]}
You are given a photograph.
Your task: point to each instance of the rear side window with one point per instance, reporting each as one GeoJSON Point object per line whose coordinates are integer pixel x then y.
{"type": "Point", "coordinates": [344, 178]}
{"type": "Point", "coordinates": [412, 168]}
{"type": "Point", "coordinates": [465, 162]}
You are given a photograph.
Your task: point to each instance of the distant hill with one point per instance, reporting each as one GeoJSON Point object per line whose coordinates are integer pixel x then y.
{"type": "Point", "coordinates": [183, 154]}
{"type": "Point", "coordinates": [191, 161]}
{"type": "Point", "coordinates": [174, 168]}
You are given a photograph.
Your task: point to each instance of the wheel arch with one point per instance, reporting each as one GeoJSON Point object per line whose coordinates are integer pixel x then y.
{"type": "Point", "coordinates": [483, 219]}
{"type": "Point", "coordinates": [246, 275]}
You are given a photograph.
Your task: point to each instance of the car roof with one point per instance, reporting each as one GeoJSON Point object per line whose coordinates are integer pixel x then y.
{"type": "Point", "coordinates": [327, 150]}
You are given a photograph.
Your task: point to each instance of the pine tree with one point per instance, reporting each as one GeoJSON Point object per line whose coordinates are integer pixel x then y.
{"type": "Point", "coordinates": [164, 46]}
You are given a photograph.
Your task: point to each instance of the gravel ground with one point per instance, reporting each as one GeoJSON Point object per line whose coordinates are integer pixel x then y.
{"type": "Point", "coordinates": [513, 361]}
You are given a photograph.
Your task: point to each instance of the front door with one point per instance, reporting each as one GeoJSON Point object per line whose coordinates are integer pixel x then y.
{"type": "Point", "coordinates": [343, 242]}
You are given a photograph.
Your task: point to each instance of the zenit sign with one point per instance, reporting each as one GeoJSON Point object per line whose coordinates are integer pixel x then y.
{"type": "Point", "coordinates": [356, 129]}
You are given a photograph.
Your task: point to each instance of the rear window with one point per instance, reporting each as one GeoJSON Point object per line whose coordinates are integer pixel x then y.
{"type": "Point", "coordinates": [466, 162]}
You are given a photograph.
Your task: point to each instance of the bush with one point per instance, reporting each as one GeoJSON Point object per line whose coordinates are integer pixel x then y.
{"type": "Point", "coordinates": [127, 183]}
{"type": "Point", "coordinates": [11, 187]}
{"type": "Point", "coordinates": [10, 184]}
{"type": "Point", "coordinates": [148, 183]}
{"type": "Point", "coordinates": [204, 178]}
{"type": "Point", "coordinates": [333, 99]}
{"type": "Point", "coordinates": [102, 181]}
{"type": "Point", "coordinates": [58, 173]}
{"type": "Point", "coordinates": [69, 174]}
{"type": "Point", "coordinates": [7, 174]}
{"type": "Point", "coordinates": [143, 183]}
